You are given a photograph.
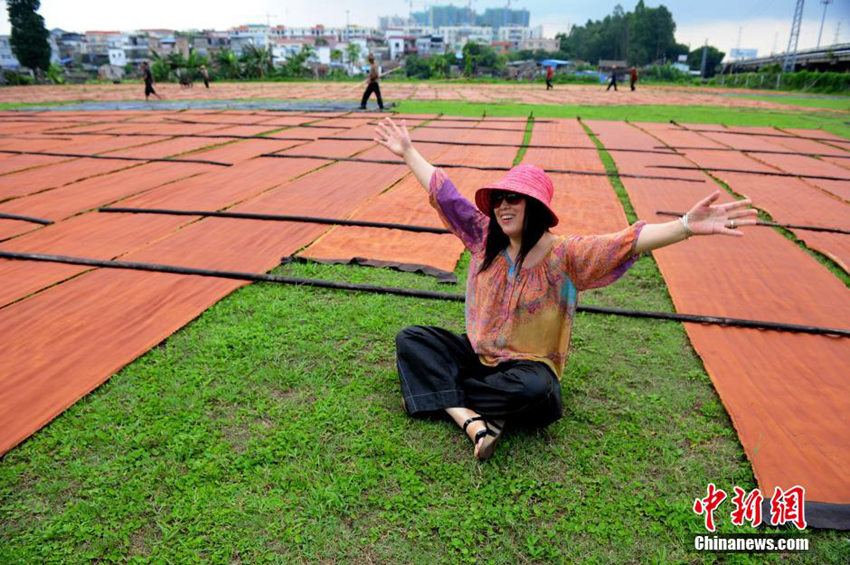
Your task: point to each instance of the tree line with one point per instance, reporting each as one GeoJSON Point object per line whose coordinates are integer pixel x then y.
{"type": "Point", "coordinates": [642, 37]}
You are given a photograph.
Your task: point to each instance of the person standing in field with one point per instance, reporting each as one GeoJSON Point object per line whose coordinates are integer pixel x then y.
{"type": "Point", "coordinates": [147, 76]}
{"type": "Point", "coordinates": [521, 295]}
{"type": "Point", "coordinates": [205, 74]}
{"type": "Point", "coordinates": [633, 77]}
{"type": "Point", "coordinates": [613, 80]}
{"type": "Point", "coordinates": [373, 85]}
{"type": "Point", "coordinates": [549, 73]}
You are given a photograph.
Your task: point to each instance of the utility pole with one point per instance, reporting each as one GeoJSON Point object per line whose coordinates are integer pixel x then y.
{"type": "Point", "coordinates": [704, 59]}
{"type": "Point", "coordinates": [837, 33]}
{"type": "Point", "coordinates": [791, 53]}
{"type": "Point", "coordinates": [347, 32]}
{"type": "Point", "coordinates": [823, 19]}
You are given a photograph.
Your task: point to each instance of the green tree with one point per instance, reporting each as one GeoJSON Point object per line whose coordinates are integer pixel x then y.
{"type": "Point", "coordinates": [195, 60]}
{"type": "Point", "coordinates": [227, 64]}
{"type": "Point", "coordinates": [713, 58]}
{"type": "Point", "coordinates": [29, 36]}
{"type": "Point", "coordinates": [55, 74]}
{"type": "Point", "coordinates": [175, 61]}
{"type": "Point", "coordinates": [352, 51]}
{"type": "Point", "coordinates": [440, 66]}
{"type": "Point", "coordinates": [160, 68]}
{"type": "Point", "coordinates": [296, 65]}
{"type": "Point", "coordinates": [476, 56]}
{"type": "Point", "coordinates": [640, 37]}
{"type": "Point", "coordinates": [257, 61]}
{"type": "Point", "coordinates": [336, 55]}
{"type": "Point", "coordinates": [416, 67]}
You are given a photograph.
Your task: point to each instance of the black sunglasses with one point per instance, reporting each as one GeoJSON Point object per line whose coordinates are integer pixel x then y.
{"type": "Point", "coordinates": [510, 197]}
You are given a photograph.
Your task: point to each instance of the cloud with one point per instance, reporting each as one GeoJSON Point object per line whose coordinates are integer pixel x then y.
{"type": "Point", "coordinates": [768, 35]}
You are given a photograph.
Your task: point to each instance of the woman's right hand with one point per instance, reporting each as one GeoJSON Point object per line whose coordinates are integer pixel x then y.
{"type": "Point", "coordinates": [394, 138]}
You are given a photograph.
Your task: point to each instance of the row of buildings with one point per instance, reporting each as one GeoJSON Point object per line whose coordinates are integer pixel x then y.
{"type": "Point", "coordinates": [439, 30]}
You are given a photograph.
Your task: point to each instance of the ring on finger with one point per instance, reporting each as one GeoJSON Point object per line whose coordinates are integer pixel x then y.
{"type": "Point", "coordinates": [732, 224]}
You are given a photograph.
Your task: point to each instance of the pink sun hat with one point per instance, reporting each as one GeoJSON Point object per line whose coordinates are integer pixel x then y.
{"type": "Point", "coordinates": [523, 179]}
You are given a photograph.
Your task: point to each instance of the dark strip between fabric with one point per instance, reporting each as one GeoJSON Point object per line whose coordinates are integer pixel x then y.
{"type": "Point", "coordinates": [4, 216]}
{"type": "Point", "coordinates": [463, 128]}
{"type": "Point", "coordinates": [269, 125]}
{"type": "Point", "coordinates": [748, 172]}
{"type": "Point", "coordinates": [239, 275]}
{"type": "Point", "coordinates": [765, 151]}
{"type": "Point", "coordinates": [517, 145]}
{"type": "Point", "coordinates": [770, 224]}
{"type": "Point", "coordinates": [276, 218]}
{"type": "Point", "coordinates": [439, 274]}
{"type": "Point", "coordinates": [757, 134]}
{"type": "Point", "coordinates": [181, 135]}
{"type": "Point", "coordinates": [116, 157]}
{"type": "Point", "coordinates": [753, 134]}
{"type": "Point", "coordinates": [479, 167]}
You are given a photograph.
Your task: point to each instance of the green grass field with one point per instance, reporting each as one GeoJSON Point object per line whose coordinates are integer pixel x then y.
{"type": "Point", "coordinates": [270, 430]}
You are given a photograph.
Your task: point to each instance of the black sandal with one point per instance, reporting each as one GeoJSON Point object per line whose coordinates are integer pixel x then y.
{"type": "Point", "coordinates": [488, 448]}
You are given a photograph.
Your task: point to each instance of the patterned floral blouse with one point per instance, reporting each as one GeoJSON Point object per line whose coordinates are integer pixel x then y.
{"type": "Point", "coordinates": [529, 314]}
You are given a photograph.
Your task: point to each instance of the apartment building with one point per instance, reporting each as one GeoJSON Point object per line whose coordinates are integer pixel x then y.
{"type": "Point", "coordinates": [7, 58]}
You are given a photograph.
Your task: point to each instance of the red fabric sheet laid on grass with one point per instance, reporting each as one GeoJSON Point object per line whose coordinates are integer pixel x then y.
{"type": "Point", "coordinates": [407, 203]}
{"type": "Point", "coordinates": [42, 389]}
{"type": "Point", "coordinates": [75, 198]}
{"type": "Point", "coordinates": [788, 395]}
{"type": "Point", "coordinates": [565, 133]}
{"type": "Point", "coordinates": [36, 180]}
{"type": "Point", "coordinates": [787, 200]}
{"type": "Point", "coordinates": [80, 331]}
{"type": "Point", "coordinates": [794, 164]}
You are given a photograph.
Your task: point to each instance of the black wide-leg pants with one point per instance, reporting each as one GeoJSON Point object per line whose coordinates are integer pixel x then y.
{"type": "Point", "coordinates": [439, 369]}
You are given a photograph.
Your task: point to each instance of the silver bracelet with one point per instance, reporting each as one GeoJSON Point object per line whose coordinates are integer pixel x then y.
{"type": "Point", "coordinates": [688, 232]}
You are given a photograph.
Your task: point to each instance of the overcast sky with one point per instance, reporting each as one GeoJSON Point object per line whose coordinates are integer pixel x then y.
{"type": "Point", "coordinates": [762, 24]}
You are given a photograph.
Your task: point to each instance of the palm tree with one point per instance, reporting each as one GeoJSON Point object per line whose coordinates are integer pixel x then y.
{"type": "Point", "coordinates": [227, 63]}
{"type": "Point", "coordinates": [295, 64]}
{"type": "Point", "coordinates": [353, 52]}
{"type": "Point", "coordinates": [257, 61]}
{"type": "Point", "coordinates": [160, 68]}
{"type": "Point", "coordinates": [194, 61]}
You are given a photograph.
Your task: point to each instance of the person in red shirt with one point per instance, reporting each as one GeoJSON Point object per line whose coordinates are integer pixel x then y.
{"type": "Point", "coordinates": [632, 77]}
{"type": "Point", "coordinates": [549, 73]}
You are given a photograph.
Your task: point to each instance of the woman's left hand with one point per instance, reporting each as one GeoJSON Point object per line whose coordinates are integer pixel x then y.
{"type": "Point", "coordinates": [706, 219]}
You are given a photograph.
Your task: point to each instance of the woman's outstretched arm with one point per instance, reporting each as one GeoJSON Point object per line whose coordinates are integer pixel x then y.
{"type": "Point", "coordinates": [703, 219]}
{"type": "Point", "coordinates": [397, 140]}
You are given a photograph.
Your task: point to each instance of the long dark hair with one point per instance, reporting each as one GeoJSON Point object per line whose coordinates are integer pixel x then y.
{"type": "Point", "coordinates": [536, 222]}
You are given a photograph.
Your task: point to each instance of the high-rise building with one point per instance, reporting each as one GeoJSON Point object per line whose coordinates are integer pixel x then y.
{"type": "Point", "coordinates": [504, 17]}
{"type": "Point", "coordinates": [387, 22]}
{"type": "Point", "coordinates": [441, 16]}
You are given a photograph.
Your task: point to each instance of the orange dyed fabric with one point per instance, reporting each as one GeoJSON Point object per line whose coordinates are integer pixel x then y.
{"type": "Point", "coordinates": [787, 394]}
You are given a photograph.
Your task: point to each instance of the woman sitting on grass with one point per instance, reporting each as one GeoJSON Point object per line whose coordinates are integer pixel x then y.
{"type": "Point", "coordinates": [521, 295]}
